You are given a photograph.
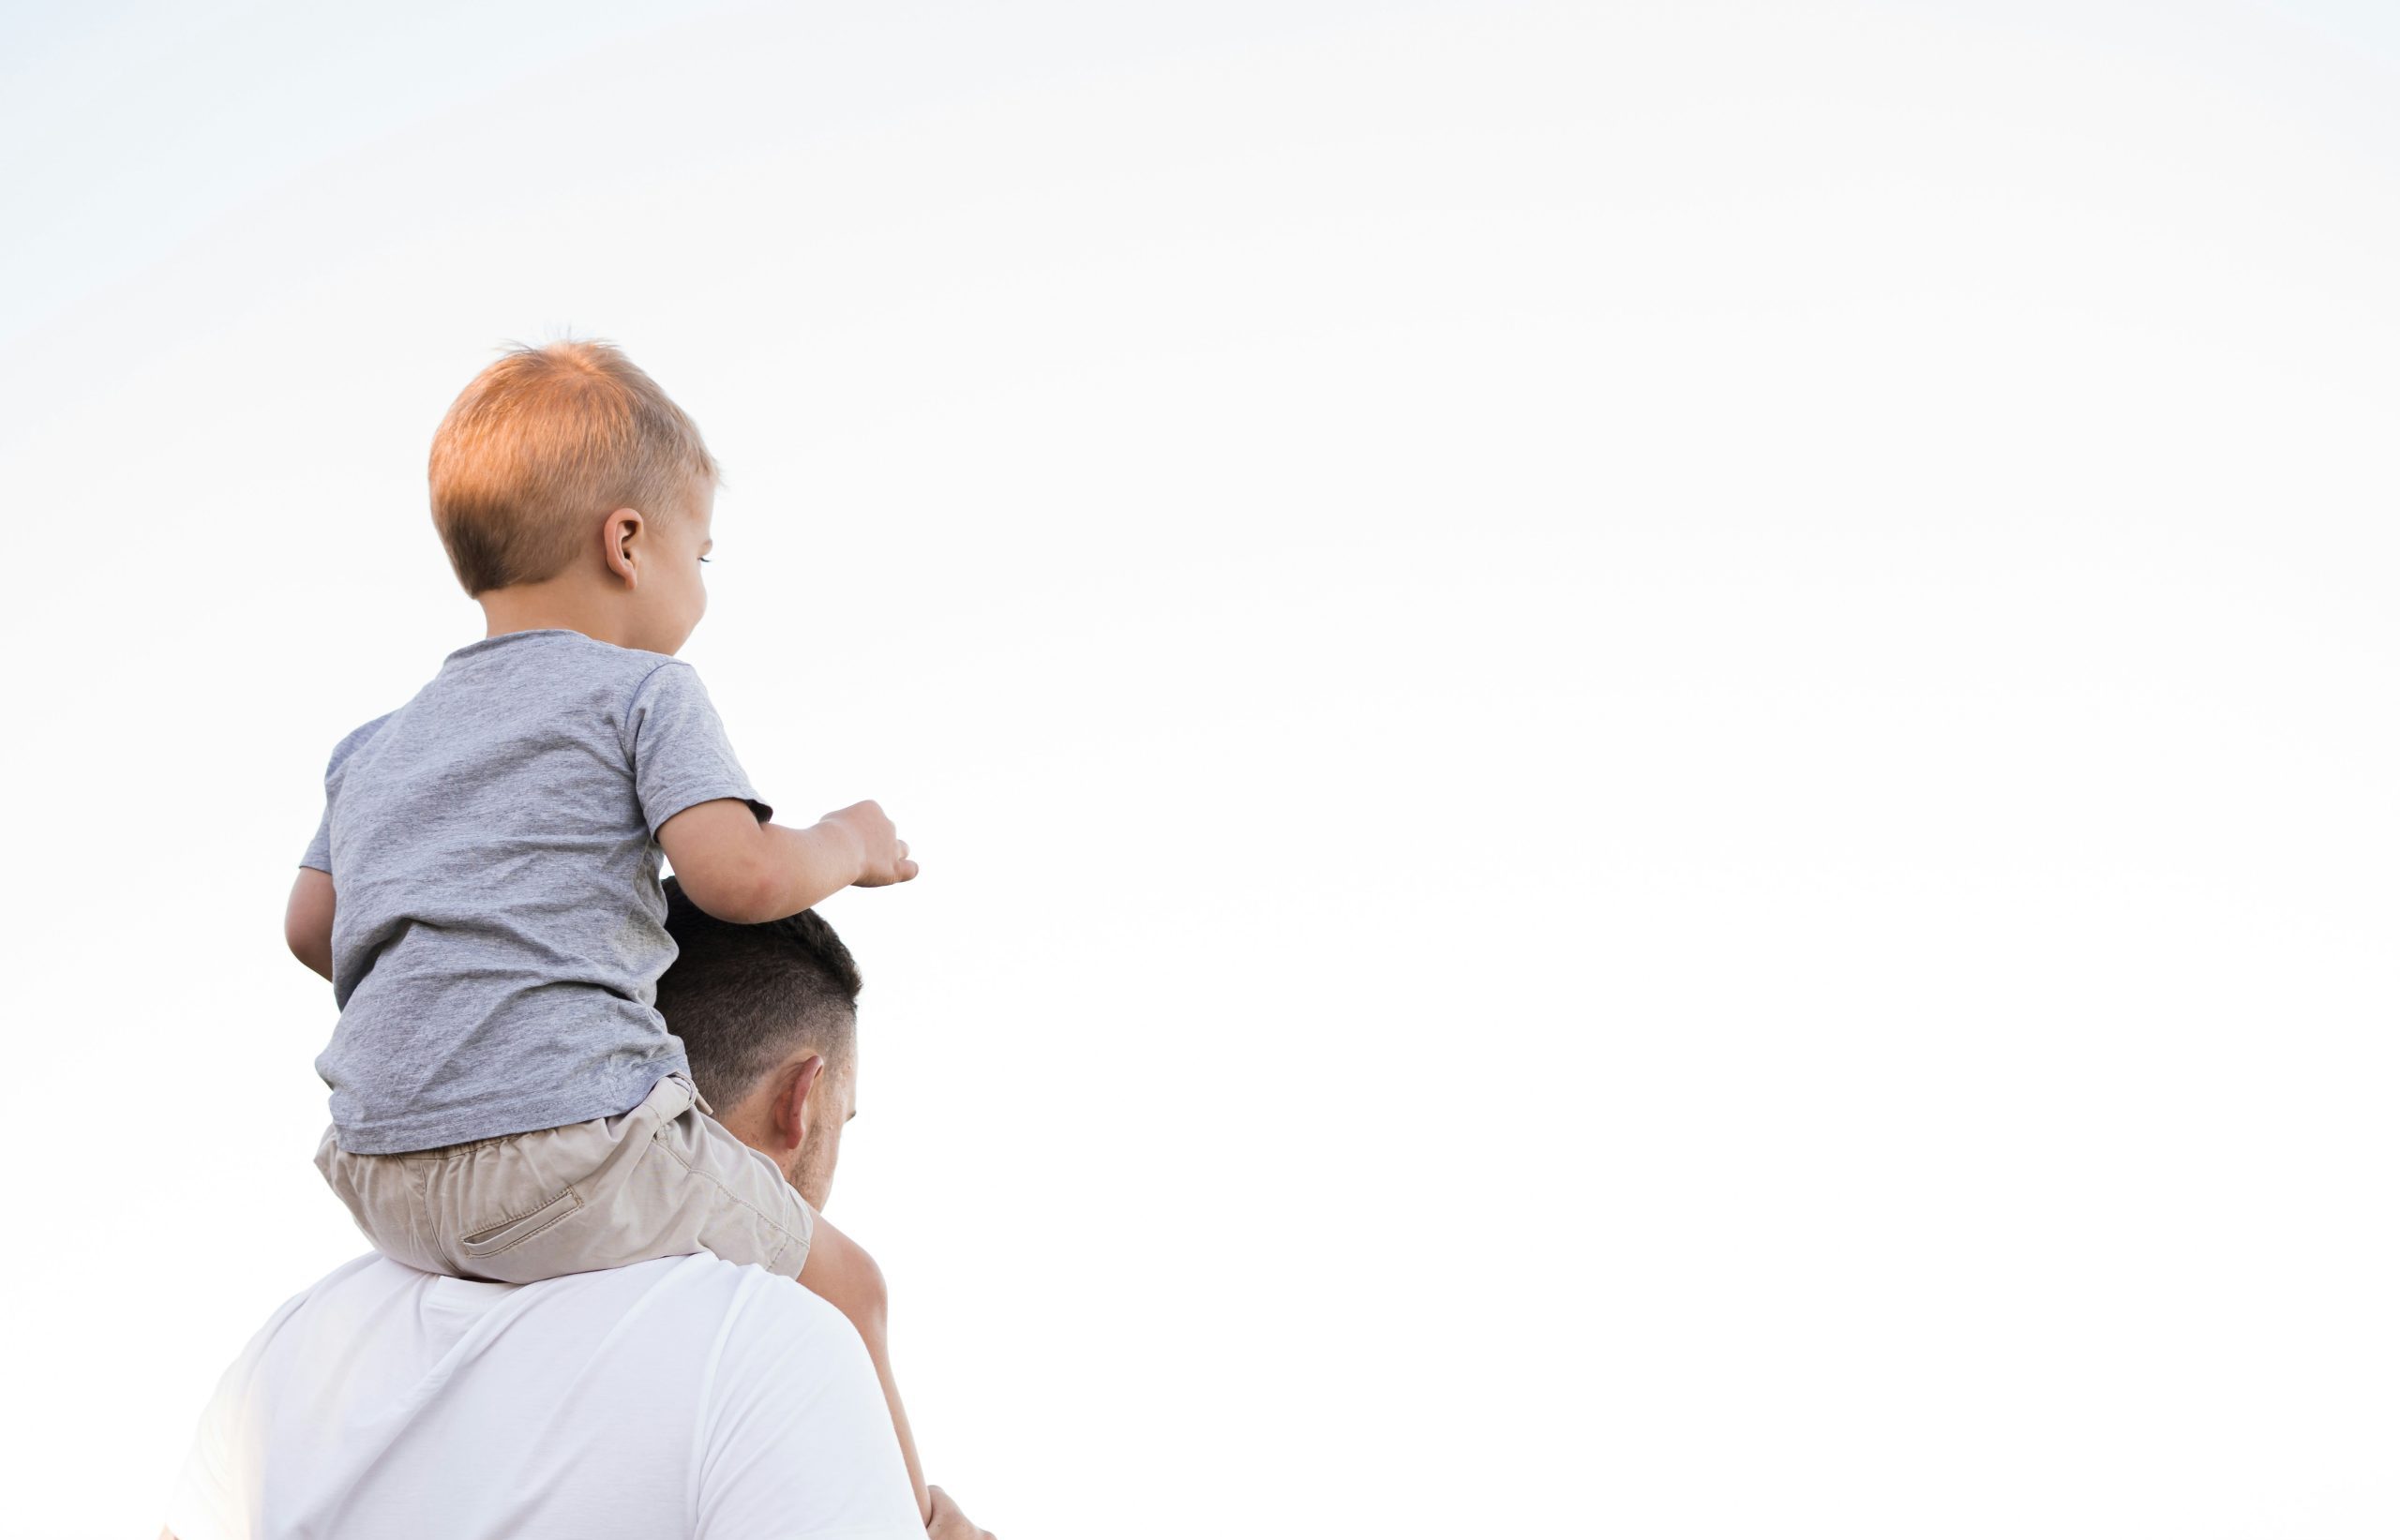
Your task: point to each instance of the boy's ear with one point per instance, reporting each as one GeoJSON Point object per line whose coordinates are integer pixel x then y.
{"type": "Point", "coordinates": [618, 538]}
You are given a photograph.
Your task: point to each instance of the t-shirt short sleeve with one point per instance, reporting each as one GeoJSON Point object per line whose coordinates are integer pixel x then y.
{"type": "Point", "coordinates": [215, 1493]}
{"type": "Point", "coordinates": [320, 846]}
{"type": "Point", "coordinates": [795, 1437]}
{"type": "Point", "coordinates": [679, 753]}
{"type": "Point", "coordinates": [207, 1503]}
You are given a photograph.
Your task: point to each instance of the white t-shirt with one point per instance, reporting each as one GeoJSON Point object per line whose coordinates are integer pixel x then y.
{"type": "Point", "coordinates": [683, 1396]}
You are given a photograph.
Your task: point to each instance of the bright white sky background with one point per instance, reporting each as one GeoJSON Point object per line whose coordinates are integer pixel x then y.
{"type": "Point", "coordinates": [1654, 744]}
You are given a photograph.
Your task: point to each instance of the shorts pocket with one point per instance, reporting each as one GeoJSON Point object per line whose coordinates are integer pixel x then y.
{"type": "Point", "coordinates": [493, 1239]}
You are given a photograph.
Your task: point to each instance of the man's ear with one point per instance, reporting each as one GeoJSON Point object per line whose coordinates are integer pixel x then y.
{"type": "Point", "coordinates": [792, 1108]}
{"type": "Point", "coordinates": [618, 538]}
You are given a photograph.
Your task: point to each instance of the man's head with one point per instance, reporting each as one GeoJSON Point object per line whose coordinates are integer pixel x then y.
{"type": "Point", "coordinates": [564, 464]}
{"type": "Point", "coordinates": [769, 1018]}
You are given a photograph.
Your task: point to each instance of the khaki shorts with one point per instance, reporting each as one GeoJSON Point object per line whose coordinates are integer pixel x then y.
{"type": "Point", "coordinates": [662, 1180]}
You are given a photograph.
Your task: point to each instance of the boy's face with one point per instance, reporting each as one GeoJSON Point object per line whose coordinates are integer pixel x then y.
{"type": "Point", "coordinates": [673, 597]}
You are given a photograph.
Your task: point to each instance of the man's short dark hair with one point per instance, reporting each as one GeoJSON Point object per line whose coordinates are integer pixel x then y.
{"type": "Point", "coordinates": [744, 997]}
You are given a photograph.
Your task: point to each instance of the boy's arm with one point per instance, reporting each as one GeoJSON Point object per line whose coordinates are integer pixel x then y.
{"type": "Point", "coordinates": [746, 873]}
{"type": "Point", "coordinates": [308, 919]}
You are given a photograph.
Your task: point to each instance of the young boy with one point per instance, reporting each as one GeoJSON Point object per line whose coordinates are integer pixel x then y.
{"type": "Point", "coordinates": [483, 890]}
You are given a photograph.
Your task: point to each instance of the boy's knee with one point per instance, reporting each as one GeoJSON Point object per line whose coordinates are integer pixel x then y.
{"type": "Point", "coordinates": [840, 1272]}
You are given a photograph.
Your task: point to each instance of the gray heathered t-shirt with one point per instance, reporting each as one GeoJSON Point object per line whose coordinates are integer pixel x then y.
{"type": "Point", "coordinates": [499, 927]}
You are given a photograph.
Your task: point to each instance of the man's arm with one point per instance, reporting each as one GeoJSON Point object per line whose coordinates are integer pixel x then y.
{"type": "Point", "coordinates": [746, 873]}
{"type": "Point", "coordinates": [308, 919]}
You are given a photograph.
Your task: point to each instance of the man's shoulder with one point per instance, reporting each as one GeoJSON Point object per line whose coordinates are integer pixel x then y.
{"type": "Point", "coordinates": [641, 1389]}
{"type": "Point", "coordinates": [702, 1280]}
{"type": "Point", "coordinates": [753, 1302]}
{"type": "Point", "coordinates": [696, 1320]}
{"type": "Point", "coordinates": [700, 1284]}
{"type": "Point", "coordinates": [692, 1311]}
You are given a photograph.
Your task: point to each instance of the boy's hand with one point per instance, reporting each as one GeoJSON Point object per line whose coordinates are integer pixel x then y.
{"type": "Point", "coordinates": [883, 855]}
{"type": "Point", "coordinates": [746, 873]}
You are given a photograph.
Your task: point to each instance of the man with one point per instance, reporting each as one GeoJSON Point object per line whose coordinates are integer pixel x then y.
{"type": "Point", "coordinates": [683, 1396]}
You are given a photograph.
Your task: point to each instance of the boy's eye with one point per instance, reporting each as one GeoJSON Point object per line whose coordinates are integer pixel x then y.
{"type": "Point", "coordinates": [704, 560]}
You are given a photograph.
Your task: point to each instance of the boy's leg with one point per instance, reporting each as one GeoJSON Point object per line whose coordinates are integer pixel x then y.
{"type": "Point", "coordinates": [382, 1196]}
{"type": "Point", "coordinates": [646, 1184]}
{"type": "Point", "coordinates": [840, 1272]}
{"type": "Point", "coordinates": [606, 1193]}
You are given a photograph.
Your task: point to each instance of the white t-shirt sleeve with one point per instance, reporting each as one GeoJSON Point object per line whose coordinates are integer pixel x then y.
{"type": "Point", "coordinates": [794, 1438]}
{"type": "Point", "coordinates": [203, 1505]}
{"type": "Point", "coordinates": [216, 1494]}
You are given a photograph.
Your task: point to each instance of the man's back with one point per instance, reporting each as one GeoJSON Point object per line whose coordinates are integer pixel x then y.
{"type": "Point", "coordinates": [686, 1396]}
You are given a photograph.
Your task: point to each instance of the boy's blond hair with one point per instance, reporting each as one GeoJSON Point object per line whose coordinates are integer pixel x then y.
{"type": "Point", "coordinates": [544, 440]}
